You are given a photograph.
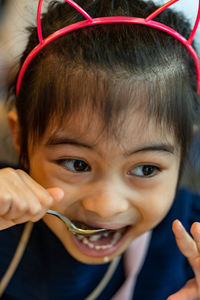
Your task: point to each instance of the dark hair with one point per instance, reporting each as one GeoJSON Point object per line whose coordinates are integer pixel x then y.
{"type": "Point", "coordinates": [112, 68]}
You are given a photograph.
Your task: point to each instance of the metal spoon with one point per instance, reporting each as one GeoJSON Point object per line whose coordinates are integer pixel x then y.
{"type": "Point", "coordinates": [72, 227]}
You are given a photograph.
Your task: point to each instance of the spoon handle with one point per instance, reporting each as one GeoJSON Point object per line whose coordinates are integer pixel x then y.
{"type": "Point", "coordinates": [61, 217]}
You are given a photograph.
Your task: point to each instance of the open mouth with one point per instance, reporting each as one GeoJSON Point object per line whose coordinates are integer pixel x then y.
{"type": "Point", "coordinates": [101, 244]}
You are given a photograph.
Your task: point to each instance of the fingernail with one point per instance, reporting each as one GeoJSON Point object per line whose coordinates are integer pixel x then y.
{"type": "Point", "coordinates": [56, 193]}
{"type": "Point", "coordinates": [180, 224]}
{"type": "Point", "coordinates": [59, 194]}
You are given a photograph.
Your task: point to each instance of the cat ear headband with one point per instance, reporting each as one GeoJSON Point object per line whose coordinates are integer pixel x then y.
{"type": "Point", "coordinates": [148, 21]}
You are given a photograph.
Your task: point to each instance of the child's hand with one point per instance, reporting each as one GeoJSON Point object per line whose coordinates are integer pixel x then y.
{"type": "Point", "coordinates": [22, 199]}
{"type": "Point", "coordinates": [190, 247]}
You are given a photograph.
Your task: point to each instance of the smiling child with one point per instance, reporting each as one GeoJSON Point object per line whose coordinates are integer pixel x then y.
{"type": "Point", "coordinates": [102, 122]}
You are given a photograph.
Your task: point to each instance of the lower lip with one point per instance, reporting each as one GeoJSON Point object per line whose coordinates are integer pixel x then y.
{"type": "Point", "coordinates": [102, 252]}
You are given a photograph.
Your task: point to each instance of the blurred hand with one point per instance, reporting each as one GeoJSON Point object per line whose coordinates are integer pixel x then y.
{"type": "Point", "coordinates": [190, 247]}
{"type": "Point", "coordinates": [22, 199]}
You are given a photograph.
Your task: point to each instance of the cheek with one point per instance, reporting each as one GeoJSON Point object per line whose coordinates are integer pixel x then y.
{"type": "Point", "coordinates": [154, 204]}
{"type": "Point", "coordinates": [156, 210]}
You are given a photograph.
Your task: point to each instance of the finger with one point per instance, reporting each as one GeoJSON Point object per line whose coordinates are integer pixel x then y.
{"type": "Point", "coordinates": [16, 197]}
{"type": "Point", "coordinates": [195, 231]}
{"type": "Point", "coordinates": [5, 203]}
{"type": "Point", "coordinates": [188, 247]}
{"type": "Point", "coordinates": [30, 199]}
{"type": "Point", "coordinates": [5, 224]}
{"type": "Point", "coordinates": [188, 292]}
{"type": "Point", "coordinates": [22, 199]}
{"type": "Point", "coordinates": [41, 193]}
{"type": "Point", "coordinates": [56, 193]}
{"type": "Point", "coordinates": [28, 217]}
{"type": "Point", "coordinates": [22, 203]}
{"type": "Point", "coordinates": [34, 211]}
{"type": "Point", "coordinates": [16, 209]}
{"type": "Point", "coordinates": [185, 242]}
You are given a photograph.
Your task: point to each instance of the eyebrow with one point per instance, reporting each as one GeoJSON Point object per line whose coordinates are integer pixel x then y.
{"type": "Point", "coordinates": [56, 141]}
{"type": "Point", "coordinates": [163, 147]}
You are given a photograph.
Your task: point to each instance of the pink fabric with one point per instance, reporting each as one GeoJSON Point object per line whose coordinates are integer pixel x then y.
{"type": "Point", "coordinates": [134, 259]}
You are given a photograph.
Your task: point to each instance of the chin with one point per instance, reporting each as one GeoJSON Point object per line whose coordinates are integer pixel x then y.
{"type": "Point", "coordinates": [101, 248]}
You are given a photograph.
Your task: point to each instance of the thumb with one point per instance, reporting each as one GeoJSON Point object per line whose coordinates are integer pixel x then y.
{"type": "Point", "coordinates": [56, 193]}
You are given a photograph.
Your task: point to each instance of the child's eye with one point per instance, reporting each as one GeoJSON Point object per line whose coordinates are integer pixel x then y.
{"type": "Point", "coordinates": [144, 171]}
{"type": "Point", "coordinates": [75, 165]}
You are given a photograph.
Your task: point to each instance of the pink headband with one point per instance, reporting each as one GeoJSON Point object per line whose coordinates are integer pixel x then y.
{"type": "Point", "coordinates": [105, 20]}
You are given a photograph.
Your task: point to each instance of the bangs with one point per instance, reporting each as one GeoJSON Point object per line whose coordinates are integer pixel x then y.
{"type": "Point", "coordinates": [69, 91]}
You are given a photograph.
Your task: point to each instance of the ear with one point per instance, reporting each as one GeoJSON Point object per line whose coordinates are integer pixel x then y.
{"type": "Point", "coordinates": [15, 129]}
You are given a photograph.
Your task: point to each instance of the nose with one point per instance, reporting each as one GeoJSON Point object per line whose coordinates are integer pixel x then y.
{"type": "Point", "coordinates": [106, 203]}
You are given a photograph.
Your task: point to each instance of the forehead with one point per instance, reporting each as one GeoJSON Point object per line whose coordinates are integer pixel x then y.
{"type": "Point", "coordinates": [135, 129]}
{"type": "Point", "coordinates": [116, 96]}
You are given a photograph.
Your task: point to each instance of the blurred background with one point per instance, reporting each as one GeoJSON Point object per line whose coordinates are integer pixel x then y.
{"type": "Point", "coordinates": [15, 16]}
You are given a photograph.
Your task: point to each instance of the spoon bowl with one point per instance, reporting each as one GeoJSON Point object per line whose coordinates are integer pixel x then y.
{"type": "Point", "coordinates": [74, 228]}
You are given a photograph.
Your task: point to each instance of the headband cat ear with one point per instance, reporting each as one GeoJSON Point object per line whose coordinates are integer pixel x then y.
{"type": "Point", "coordinates": [72, 3]}
{"type": "Point", "coordinates": [148, 21]}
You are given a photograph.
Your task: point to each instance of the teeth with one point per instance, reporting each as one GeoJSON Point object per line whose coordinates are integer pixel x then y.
{"type": "Point", "coordinates": [88, 240]}
{"type": "Point", "coordinates": [94, 238]}
{"type": "Point", "coordinates": [106, 234]}
{"type": "Point", "coordinates": [106, 246]}
{"type": "Point", "coordinates": [85, 241]}
{"type": "Point", "coordinates": [90, 245]}
{"type": "Point", "coordinates": [106, 259]}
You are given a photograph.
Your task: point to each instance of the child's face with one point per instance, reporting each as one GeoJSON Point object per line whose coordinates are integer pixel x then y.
{"type": "Point", "coordinates": [125, 183]}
